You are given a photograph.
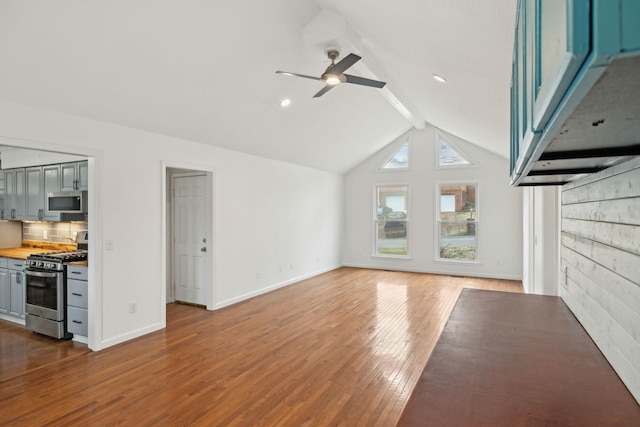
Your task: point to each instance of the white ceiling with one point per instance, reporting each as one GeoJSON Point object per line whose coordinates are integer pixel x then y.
{"type": "Point", "coordinates": [205, 70]}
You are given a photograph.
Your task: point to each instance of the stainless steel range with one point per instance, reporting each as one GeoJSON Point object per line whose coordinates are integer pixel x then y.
{"type": "Point", "coordinates": [45, 306]}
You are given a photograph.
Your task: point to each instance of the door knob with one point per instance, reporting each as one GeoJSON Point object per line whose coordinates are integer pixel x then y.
{"type": "Point", "coordinates": [203, 249]}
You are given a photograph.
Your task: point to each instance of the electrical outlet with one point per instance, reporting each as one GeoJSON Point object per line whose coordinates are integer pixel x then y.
{"type": "Point", "coordinates": [258, 274]}
{"type": "Point", "coordinates": [74, 235]}
{"type": "Point", "coordinates": [44, 234]}
{"type": "Point", "coordinates": [133, 307]}
{"type": "Point", "coordinates": [108, 245]}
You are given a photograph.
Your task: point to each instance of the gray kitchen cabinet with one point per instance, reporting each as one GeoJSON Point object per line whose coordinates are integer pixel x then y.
{"type": "Point", "coordinates": [16, 288]}
{"type": "Point", "coordinates": [77, 300]}
{"type": "Point", "coordinates": [14, 199]}
{"type": "Point", "coordinates": [41, 180]}
{"type": "Point", "coordinates": [4, 286]}
{"type": "Point", "coordinates": [74, 176]}
{"type": "Point", "coordinates": [52, 183]}
{"type": "Point", "coordinates": [2, 194]}
{"type": "Point", "coordinates": [34, 194]}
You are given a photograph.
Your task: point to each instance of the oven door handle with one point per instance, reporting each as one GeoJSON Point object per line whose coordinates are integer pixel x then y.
{"type": "Point", "coordinates": [40, 274]}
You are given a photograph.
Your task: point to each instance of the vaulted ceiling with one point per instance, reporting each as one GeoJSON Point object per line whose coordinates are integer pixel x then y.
{"type": "Point", "coordinates": [205, 70]}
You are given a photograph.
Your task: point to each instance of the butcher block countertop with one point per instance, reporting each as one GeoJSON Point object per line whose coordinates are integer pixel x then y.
{"type": "Point", "coordinates": [29, 248]}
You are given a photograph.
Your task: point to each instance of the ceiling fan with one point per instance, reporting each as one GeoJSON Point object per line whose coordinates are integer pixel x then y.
{"type": "Point", "coordinates": [334, 74]}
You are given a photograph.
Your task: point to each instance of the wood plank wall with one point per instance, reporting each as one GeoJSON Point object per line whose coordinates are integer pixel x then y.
{"type": "Point", "coordinates": [600, 263]}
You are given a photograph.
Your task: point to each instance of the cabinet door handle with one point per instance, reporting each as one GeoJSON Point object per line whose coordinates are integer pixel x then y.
{"type": "Point", "coordinates": [76, 272]}
{"type": "Point", "coordinates": [13, 213]}
{"type": "Point", "coordinates": [77, 321]}
{"type": "Point", "coordinates": [76, 294]}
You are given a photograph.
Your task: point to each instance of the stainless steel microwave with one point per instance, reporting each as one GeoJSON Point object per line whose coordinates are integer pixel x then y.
{"type": "Point", "coordinates": [67, 202]}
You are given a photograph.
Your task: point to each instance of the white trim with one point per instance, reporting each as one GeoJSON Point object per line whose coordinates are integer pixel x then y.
{"type": "Point", "coordinates": [119, 339]}
{"type": "Point", "coordinates": [396, 147]}
{"type": "Point", "coordinates": [376, 220]}
{"type": "Point", "coordinates": [212, 291]}
{"type": "Point", "coordinates": [240, 298]}
{"type": "Point", "coordinates": [435, 271]}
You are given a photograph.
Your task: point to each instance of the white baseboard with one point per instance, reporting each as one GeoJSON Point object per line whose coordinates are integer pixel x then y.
{"type": "Point", "coordinates": [130, 335]}
{"type": "Point", "coordinates": [273, 287]}
{"type": "Point", "coordinates": [436, 271]}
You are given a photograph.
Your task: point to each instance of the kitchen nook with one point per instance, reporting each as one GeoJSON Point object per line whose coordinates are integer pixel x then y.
{"type": "Point", "coordinates": [44, 244]}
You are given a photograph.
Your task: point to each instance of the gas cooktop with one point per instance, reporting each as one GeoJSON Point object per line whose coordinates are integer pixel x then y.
{"type": "Point", "coordinates": [55, 260]}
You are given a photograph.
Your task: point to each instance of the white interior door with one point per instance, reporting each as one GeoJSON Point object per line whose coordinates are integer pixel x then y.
{"type": "Point", "coordinates": [190, 244]}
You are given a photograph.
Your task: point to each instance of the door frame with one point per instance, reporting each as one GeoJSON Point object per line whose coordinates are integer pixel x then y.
{"type": "Point", "coordinates": [94, 226]}
{"type": "Point", "coordinates": [170, 169]}
{"type": "Point", "coordinates": [171, 288]}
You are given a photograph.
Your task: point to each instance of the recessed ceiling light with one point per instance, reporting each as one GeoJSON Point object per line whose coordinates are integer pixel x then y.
{"type": "Point", "coordinates": [439, 78]}
{"type": "Point", "coordinates": [285, 102]}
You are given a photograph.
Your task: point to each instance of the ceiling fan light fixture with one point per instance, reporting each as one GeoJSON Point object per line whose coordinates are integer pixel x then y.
{"type": "Point", "coordinates": [439, 78]}
{"type": "Point", "coordinates": [331, 79]}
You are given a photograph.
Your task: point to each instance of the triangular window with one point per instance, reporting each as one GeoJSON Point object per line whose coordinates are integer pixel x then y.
{"type": "Point", "coordinates": [399, 159]}
{"type": "Point", "coordinates": [448, 155]}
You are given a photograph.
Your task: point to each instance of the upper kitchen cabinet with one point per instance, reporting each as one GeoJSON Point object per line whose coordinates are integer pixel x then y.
{"type": "Point", "coordinates": [34, 200]}
{"type": "Point", "coordinates": [14, 194]}
{"type": "Point", "coordinates": [574, 89]}
{"type": "Point", "coordinates": [75, 176]}
{"type": "Point", "coordinates": [2, 193]}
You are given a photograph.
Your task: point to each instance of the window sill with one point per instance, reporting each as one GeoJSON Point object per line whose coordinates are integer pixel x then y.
{"type": "Point", "coordinates": [391, 256]}
{"type": "Point", "coordinates": [456, 261]}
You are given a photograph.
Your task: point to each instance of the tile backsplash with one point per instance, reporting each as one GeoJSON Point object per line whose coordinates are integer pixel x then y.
{"type": "Point", "coordinates": [54, 232]}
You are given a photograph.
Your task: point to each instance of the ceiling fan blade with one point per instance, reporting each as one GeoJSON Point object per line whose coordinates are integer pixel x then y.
{"type": "Point", "coordinates": [287, 73]}
{"type": "Point", "coordinates": [324, 90]}
{"type": "Point", "coordinates": [364, 82]}
{"type": "Point", "coordinates": [347, 62]}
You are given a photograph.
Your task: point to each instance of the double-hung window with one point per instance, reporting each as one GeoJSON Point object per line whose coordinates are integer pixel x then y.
{"type": "Point", "coordinates": [457, 222]}
{"type": "Point", "coordinates": [391, 218]}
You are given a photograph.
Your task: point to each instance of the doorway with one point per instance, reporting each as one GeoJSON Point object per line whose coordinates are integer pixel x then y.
{"type": "Point", "coordinates": [189, 243]}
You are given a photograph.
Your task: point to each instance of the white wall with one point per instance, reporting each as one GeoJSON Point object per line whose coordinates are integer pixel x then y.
{"type": "Point", "coordinates": [600, 258]}
{"type": "Point", "coordinates": [281, 219]}
{"type": "Point", "coordinates": [541, 234]}
{"type": "Point", "coordinates": [500, 210]}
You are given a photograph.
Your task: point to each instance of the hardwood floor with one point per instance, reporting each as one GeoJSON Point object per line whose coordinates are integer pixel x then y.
{"type": "Point", "coordinates": [343, 348]}
{"type": "Point", "coordinates": [22, 351]}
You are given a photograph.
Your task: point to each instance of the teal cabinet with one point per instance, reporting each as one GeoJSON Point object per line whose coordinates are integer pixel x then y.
{"type": "Point", "coordinates": [569, 56]}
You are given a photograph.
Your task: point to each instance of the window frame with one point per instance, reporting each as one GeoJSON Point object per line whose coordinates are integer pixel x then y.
{"type": "Point", "coordinates": [405, 140]}
{"type": "Point", "coordinates": [439, 135]}
{"type": "Point", "coordinates": [377, 220]}
{"type": "Point", "coordinates": [438, 221]}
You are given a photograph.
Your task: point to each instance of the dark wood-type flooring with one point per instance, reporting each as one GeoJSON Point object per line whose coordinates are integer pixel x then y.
{"type": "Point", "coordinates": [505, 359]}
{"type": "Point", "coordinates": [343, 348]}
